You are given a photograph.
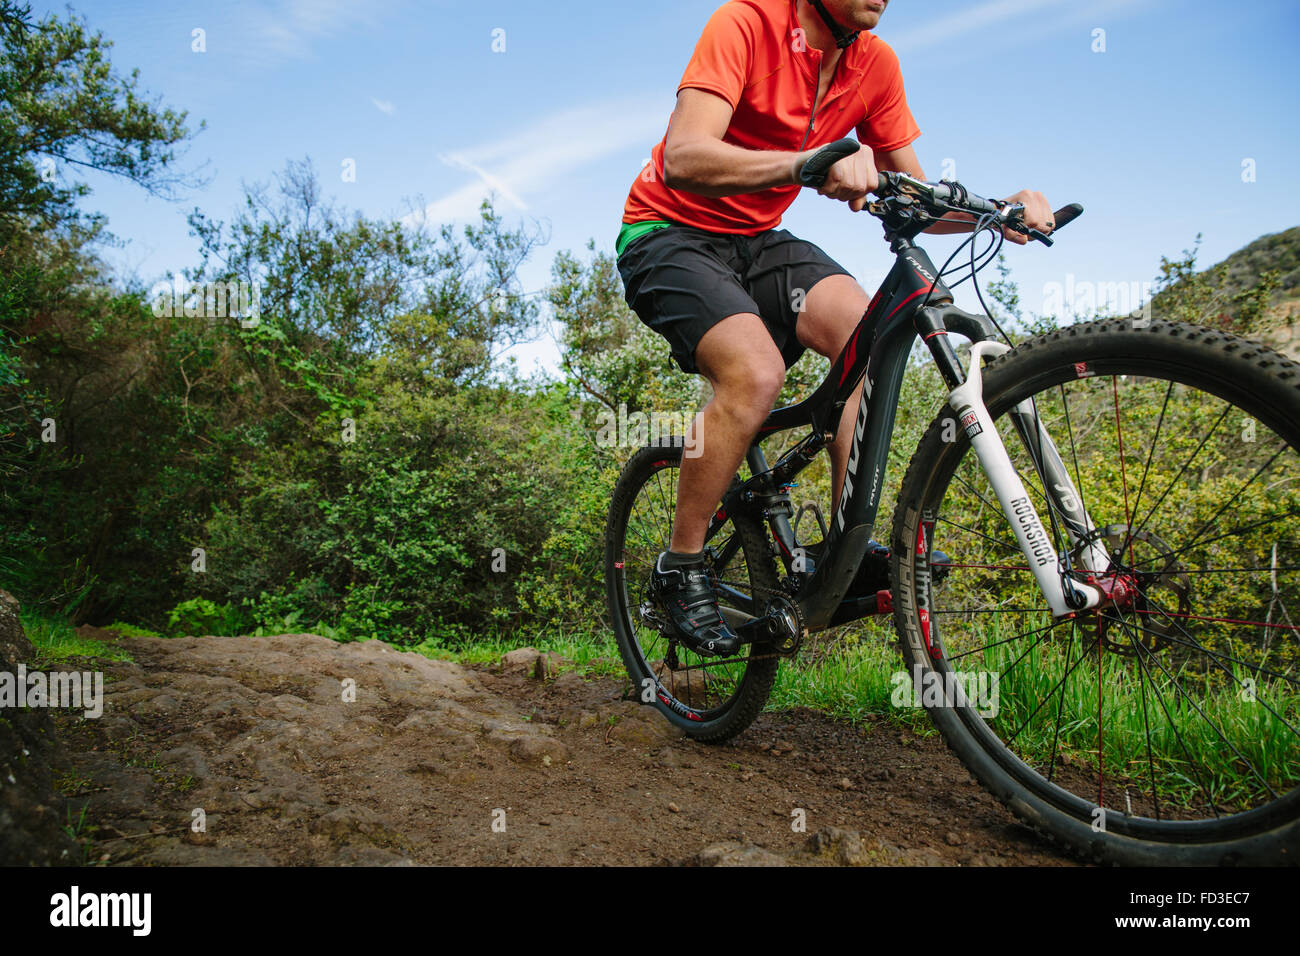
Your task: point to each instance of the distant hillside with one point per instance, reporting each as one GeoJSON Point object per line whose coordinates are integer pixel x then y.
{"type": "Point", "coordinates": [1279, 251]}
{"type": "Point", "coordinates": [1255, 291]}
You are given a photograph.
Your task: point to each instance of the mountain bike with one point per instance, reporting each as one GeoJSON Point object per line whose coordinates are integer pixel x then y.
{"type": "Point", "coordinates": [1102, 524]}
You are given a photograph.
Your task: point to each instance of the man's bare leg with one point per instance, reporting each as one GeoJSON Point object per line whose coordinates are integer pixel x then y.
{"type": "Point", "coordinates": [746, 370]}
{"type": "Point", "coordinates": [832, 310]}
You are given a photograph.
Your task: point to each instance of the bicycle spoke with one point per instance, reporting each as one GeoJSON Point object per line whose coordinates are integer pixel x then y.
{"type": "Point", "coordinates": [1070, 670]}
{"type": "Point", "coordinates": [1181, 471]}
{"type": "Point", "coordinates": [1236, 495]}
{"type": "Point", "coordinates": [1006, 640]}
{"type": "Point", "coordinates": [1213, 726]}
{"type": "Point", "coordinates": [1074, 450]}
{"type": "Point", "coordinates": [1151, 451]}
{"type": "Point", "coordinates": [997, 610]}
{"type": "Point", "coordinates": [667, 511]}
{"type": "Point", "coordinates": [978, 534]}
{"type": "Point", "coordinates": [1023, 654]}
{"type": "Point", "coordinates": [1056, 731]}
{"type": "Point", "coordinates": [1146, 728]}
{"type": "Point", "coordinates": [1123, 474]}
{"type": "Point", "coordinates": [1191, 761]}
{"type": "Point", "coordinates": [1215, 657]}
{"type": "Point", "coordinates": [1227, 534]}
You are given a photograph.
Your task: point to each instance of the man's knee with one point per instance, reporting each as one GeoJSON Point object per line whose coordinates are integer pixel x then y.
{"type": "Point", "coordinates": [743, 365]}
{"type": "Point", "coordinates": [756, 377]}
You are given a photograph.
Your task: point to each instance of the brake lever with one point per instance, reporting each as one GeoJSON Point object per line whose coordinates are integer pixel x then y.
{"type": "Point", "coordinates": [1018, 226]}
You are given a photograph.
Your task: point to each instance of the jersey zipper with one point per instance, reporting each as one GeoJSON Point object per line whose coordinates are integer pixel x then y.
{"type": "Point", "coordinates": [817, 82]}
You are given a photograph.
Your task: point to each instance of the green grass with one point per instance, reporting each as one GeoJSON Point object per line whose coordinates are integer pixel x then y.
{"type": "Point", "coordinates": [55, 640]}
{"type": "Point", "coordinates": [851, 680]}
{"type": "Point", "coordinates": [1138, 711]}
{"type": "Point", "coordinates": [131, 630]}
{"type": "Point", "coordinates": [590, 652]}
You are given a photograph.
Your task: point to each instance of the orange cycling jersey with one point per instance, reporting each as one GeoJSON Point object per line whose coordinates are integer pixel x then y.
{"type": "Point", "coordinates": [754, 55]}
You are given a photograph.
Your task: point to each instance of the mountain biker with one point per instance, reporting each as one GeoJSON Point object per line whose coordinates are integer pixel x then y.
{"type": "Point", "coordinates": [704, 264]}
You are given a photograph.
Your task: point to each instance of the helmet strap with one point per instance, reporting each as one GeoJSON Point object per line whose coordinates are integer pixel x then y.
{"type": "Point", "coordinates": [842, 36]}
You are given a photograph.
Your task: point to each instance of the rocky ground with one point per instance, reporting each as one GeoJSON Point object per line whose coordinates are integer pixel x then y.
{"type": "Point", "coordinates": [297, 750]}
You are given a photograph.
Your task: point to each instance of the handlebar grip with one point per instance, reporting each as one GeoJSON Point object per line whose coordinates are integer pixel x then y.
{"type": "Point", "coordinates": [1062, 217]}
{"type": "Point", "coordinates": [814, 170]}
{"type": "Point", "coordinates": [1066, 215]}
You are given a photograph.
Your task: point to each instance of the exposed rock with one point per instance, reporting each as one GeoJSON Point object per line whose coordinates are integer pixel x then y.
{"type": "Point", "coordinates": [529, 660]}
{"type": "Point", "coordinates": [31, 818]}
{"type": "Point", "coordinates": [845, 847]}
{"type": "Point", "coordinates": [733, 853]}
{"type": "Point", "coordinates": [636, 725]}
{"type": "Point", "coordinates": [536, 750]}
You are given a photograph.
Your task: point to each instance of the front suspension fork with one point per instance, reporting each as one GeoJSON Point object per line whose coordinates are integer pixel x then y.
{"type": "Point", "coordinates": [1064, 594]}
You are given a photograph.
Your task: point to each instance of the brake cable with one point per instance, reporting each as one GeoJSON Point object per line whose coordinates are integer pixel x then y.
{"type": "Point", "coordinates": [1064, 567]}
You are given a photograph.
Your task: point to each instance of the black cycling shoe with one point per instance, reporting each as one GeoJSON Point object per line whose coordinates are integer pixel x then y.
{"type": "Point", "coordinates": [692, 607]}
{"type": "Point", "coordinates": [873, 572]}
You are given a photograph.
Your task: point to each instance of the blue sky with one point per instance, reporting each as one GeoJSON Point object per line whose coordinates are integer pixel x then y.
{"type": "Point", "coordinates": [1150, 135]}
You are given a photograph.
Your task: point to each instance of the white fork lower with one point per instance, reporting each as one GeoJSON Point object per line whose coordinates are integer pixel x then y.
{"type": "Point", "coordinates": [967, 400]}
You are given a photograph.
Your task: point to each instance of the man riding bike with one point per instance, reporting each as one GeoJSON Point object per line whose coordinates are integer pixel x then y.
{"type": "Point", "coordinates": [704, 264]}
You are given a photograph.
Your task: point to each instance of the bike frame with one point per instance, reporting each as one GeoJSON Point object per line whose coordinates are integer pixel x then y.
{"type": "Point", "coordinates": [912, 302]}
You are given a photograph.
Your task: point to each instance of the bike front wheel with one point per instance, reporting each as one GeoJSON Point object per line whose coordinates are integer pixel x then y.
{"type": "Point", "coordinates": [1165, 727]}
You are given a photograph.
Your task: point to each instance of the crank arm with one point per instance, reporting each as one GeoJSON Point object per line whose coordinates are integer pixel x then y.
{"type": "Point", "coordinates": [760, 630]}
{"type": "Point", "coordinates": [736, 618]}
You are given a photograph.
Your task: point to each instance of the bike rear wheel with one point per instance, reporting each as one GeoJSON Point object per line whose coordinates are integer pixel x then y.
{"type": "Point", "coordinates": [1165, 728]}
{"type": "Point", "coordinates": [712, 699]}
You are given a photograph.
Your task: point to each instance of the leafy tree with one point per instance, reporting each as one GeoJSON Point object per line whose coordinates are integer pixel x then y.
{"type": "Point", "coordinates": [607, 353]}
{"type": "Point", "coordinates": [62, 106]}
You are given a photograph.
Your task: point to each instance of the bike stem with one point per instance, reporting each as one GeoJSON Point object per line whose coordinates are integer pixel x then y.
{"type": "Point", "coordinates": [1063, 594]}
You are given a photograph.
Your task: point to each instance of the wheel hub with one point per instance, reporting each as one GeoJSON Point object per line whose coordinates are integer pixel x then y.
{"type": "Point", "coordinates": [1145, 590]}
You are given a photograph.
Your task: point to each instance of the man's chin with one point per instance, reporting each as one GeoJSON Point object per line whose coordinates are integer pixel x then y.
{"type": "Point", "coordinates": [867, 19]}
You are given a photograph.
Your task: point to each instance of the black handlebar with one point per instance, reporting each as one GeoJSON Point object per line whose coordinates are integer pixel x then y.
{"type": "Point", "coordinates": [951, 195]}
{"type": "Point", "coordinates": [956, 196]}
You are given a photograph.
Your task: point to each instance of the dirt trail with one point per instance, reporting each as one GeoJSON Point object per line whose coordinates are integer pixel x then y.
{"type": "Point", "coordinates": [257, 734]}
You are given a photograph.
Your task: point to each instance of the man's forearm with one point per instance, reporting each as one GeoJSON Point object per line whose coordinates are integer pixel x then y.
{"type": "Point", "coordinates": [711, 167]}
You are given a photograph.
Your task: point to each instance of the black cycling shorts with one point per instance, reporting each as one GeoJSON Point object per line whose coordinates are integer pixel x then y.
{"type": "Point", "coordinates": [682, 281]}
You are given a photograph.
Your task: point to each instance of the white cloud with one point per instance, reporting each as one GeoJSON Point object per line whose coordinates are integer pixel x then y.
{"type": "Point", "coordinates": [1009, 43]}
{"type": "Point", "coordinates": [493, 183]}
{"type": "Point", "coordinates": [557, 146]}
{"type": "Point", "coordinates": [384, 106]}
{"type": "Point", "coordinates": [290, 28]}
